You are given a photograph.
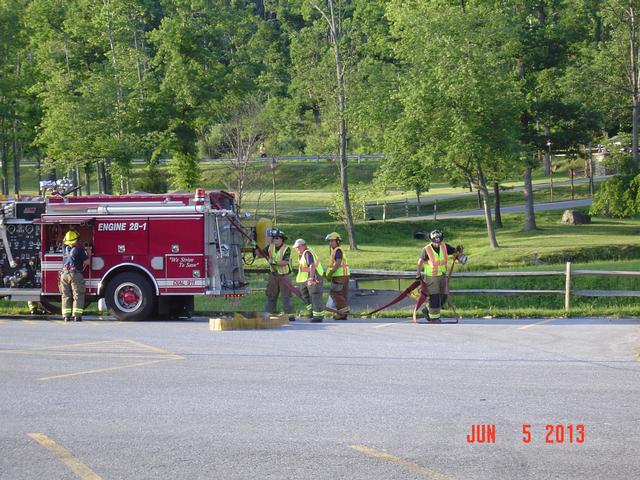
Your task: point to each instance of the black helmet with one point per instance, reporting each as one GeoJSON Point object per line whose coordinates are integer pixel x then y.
{"type": "Point", "coordinates": [275, 233]}
{"type": "Point", "coordinates": [436, 236]}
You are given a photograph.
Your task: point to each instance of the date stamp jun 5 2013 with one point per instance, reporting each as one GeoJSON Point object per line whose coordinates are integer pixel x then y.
{"type": "Point", "coordinates": [554, 433]}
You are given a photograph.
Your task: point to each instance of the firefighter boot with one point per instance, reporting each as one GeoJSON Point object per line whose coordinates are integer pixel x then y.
{"type": "Point", "coordinates": [317, 319]}
{"type": "Point", "coordinates": [66, 318]}
{"type": "Point", "coordinates": [292, 317]}
{"type": "Point", "coordinates": [306, 314]}
{"type": "Point", "coordinates": [425, 312]}
{"type": "Point", "coordinates": [77, 318]}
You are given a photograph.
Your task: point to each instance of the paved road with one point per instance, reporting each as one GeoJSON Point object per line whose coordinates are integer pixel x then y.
{"type": "Point", "coordinates": [538, 207]}
{"type": "Point", "coordinates": [380, 399]}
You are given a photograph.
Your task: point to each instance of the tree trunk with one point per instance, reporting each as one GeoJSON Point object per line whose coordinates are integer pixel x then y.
{"type": "Point", "coordinates": [496, 195]}
{"type": "Point", "coordinates": [104, 182]}
{"type": "Point", "coordinates": [16, 159]}
{"type": "Point", "coordinates": [590, 164]}
{"type": "Point", "coordinates": [99, 178]}
{"type": "Point", "coordinates": [87, 179]}
{"type": "Point", "coordinates": [547, 153]}
{"type": "Point", "coordinates": [342, 140]}
{"type": "Point", "coordinates": [633, 72]}
{"type": "Point", "coordinates": [634, 129]}
{"type": "Point", "coordinates": [572, 174]}
{"type": "Point", "coordinates": [108, 178]}
{"type": "Point", "coordinates": [529, 212]}
{"type": "Point", "coordinates": [486, 202]}
{"type": "Point", "coordinates": [418, 204]}
{"type": "Point", "coordinates": [76, 181]}
{"type": "Point", "coordinates": [39, 170]}
{"type": "Point", "coordinates": [334, 30]}
{"type": "Point", "coordinates": [5, 164]}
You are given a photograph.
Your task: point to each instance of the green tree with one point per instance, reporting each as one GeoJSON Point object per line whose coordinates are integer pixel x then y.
{"type": "Point", "coordinates": [621, 56]}
{"type": "Point", "coordinates": [460, 99]}
{"type": "Point", "coordinates": [548, 39]}
{"type": "Point", "coordinates": [412, 174]}
{"type": "Point", "coordinates": [18, 110]}
{"type": "Point", "coordinates": [94, 83]}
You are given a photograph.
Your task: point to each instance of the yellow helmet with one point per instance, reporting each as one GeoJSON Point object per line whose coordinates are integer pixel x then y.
{"type": "Point", "coordinates": [71, 237]}
{"type": "Point", "coordinates": [333, 236]}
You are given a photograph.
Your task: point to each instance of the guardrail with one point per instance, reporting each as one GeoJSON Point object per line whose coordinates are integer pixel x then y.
{"type": "Point", "coordinates": [568, 292]}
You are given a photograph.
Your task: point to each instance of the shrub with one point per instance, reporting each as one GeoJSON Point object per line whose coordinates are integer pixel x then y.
{"type": "Point", "coordinates": [618, 197]}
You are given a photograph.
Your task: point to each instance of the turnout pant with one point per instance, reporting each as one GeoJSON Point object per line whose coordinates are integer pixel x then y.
{"type": "Point", "coordinates": [436, 290]}
{"type": "Point", "coordinates": [312, 296]}
{"type": "Point", "coordinates": [339, 292]}
{"type": "Point", "coordinates": [275, 288]}
{"type": "Point", "coordinates": [72, 290]}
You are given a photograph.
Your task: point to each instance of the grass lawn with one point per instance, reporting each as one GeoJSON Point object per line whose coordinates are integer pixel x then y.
{"type": "Point", "coordinates": [391, 246]}
{"type": "Point", "coordinates": [290, 202]}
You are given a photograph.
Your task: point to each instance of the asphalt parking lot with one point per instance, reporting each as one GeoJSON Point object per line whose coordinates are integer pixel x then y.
{"type": "Point", "coordinates": [381, 399]}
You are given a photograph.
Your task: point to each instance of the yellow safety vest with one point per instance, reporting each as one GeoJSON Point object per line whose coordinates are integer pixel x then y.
{"type": "Point", "coordinates": [436, 263]}
{"type": "Point", "coordinates": [343, 269]}
{"type": "Point", "coordinates": [277, 257]}
{"type": "Point", "coordinates": [304, 268]}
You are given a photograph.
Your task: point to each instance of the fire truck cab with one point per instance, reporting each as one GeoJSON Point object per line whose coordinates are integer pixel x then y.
{"type": "Point", "coordinates": [150, 254]}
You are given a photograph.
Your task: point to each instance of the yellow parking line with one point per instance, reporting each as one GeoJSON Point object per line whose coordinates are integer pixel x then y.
{"type": "Point", "coordinates": [531, 325]}
{"type": "Point", "coordinates": [76, 466]}
{"type": "Point", "coordinates": [110, 369]}
{"type": "Point", "coordinates": [3, 321]}
{"type": "Point", "coordinates": [28, 321]}
{"type": "Point", "coordinates": [401, 462]}
{"type": "Point", "coordinates": [153, 349]}
{"type": "Point", "coordinates": [116, 355]}
{"type": "Point", "coordinates": [69, 345]}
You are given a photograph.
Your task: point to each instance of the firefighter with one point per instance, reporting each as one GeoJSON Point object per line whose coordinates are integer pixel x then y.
{"type": "Point", "coordinates": [432, 267]}
{"type": "Point", "coordinates": [338, 274]}
{"type": "Point", "coordinates": [71, 280]}
{"type": "Point", "coordinates": [279, 258]}
{"type": "Point", "coordinates": [309, 277]}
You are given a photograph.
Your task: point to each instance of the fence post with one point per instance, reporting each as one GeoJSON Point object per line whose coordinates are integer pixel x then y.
{"type": "Point", "coordinates": [435, 210]}
{"type": "Point", "coordinates": [406, 207]}
{"type": "Point", "coordinates": [384, 212]}
{"type": "Point", "coordinates": [364, 211]}
{"type": "Point", "coordinates": [567, 288]}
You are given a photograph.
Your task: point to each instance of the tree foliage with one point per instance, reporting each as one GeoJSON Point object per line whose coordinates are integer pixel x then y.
{"type": "Point", "coordinates": [463, 91]}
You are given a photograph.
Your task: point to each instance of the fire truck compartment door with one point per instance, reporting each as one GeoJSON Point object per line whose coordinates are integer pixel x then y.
{"type": "Point", "coordinates": [185, 273]}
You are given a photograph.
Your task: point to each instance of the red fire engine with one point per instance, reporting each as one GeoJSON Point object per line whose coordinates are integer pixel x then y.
{"type": "Point", "coordinates": [150, 254]}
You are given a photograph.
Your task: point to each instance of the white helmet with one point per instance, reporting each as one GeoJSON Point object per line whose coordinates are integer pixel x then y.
{"type": "Point", "coordinates": [299, 242]}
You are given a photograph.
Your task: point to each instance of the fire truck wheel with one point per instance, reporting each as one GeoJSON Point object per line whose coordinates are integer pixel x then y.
{"type": "Point", "coordinates": [129, 296]}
